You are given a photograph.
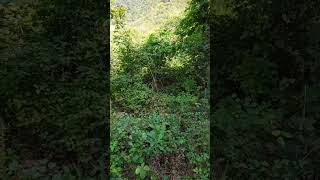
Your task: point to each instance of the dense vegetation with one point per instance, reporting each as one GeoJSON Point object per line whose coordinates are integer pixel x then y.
{"type": "Point", "coordinates": [146, 16]}
{"type": "Point", "coordinates": [53, 94]}
{"type": "Point", "coordinates": [265, 89]}
{"type": "Point", "coordinates": [159, 119]}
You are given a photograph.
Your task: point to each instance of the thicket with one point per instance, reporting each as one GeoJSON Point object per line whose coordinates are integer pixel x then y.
{"type": "Point", "coordinates": [265, 92]}
{"type": "Point", "coordinates": [159, 118]}
{"type": "Point", "coordinates": [54, 89]}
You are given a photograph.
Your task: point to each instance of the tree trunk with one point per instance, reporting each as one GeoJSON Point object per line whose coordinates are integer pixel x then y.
{"type": "Point", "coordinates": [154, 83]}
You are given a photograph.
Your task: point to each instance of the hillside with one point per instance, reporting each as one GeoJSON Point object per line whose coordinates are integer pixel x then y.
{"type": "Point", "coordinates": [146, 16]}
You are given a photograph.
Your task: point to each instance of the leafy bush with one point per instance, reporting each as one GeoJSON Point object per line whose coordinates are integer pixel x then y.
{"type": "Point", "coordinates": [139, 141]}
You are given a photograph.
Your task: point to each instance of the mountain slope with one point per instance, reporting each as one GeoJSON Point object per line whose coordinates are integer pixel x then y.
{"type": "Point", "coordinates": [145, 15]}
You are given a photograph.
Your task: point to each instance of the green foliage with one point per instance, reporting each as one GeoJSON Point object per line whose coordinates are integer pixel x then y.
{"type": "Point", "coordinates": [159, 124]}
{"type": "Point", "coordinates": [145, 16]}
{"type": "Point", "coordinates": [137, 141]}
{"type": "Point", "coordinates": [142, 171]}
{"type": "Point", "coordinates": [53, 88]}
{"type": "Point", "coordinates": [262, 125]}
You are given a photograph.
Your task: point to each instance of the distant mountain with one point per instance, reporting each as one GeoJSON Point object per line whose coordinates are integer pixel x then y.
{"type": "Point", "coordinates": [135, 8]}
{"type": "Point", "coordinates": [146, 15]}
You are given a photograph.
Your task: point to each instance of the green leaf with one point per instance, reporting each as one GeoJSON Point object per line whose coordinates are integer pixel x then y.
{"type": "Point", "coordinates": [138, 170]}
{"type": "Point", "coordinates": [147, 168]}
